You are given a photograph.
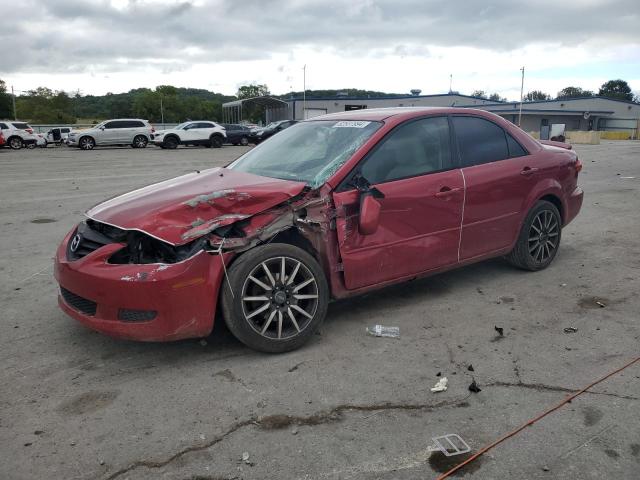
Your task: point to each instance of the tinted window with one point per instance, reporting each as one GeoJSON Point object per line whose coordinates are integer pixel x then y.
{"type": "Point", "coordinates": [515, 149]}
{"type": "Point", "coordinates": [21, 126]}
{"type": "Point", "coordinates": [110, 125]}
{"type": "Point", "coordinates": [65, 130]}
{"type": "Point", "coordinates": [479, 141]}
{"type": "Point", "coordinates": [416, 148]}
{"type": "Point", "coordinates": [205, 125]}
{"type": "Point", "coordinates": [3, 125]}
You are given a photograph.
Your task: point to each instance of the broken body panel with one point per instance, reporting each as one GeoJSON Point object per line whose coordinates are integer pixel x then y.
{"type": "Point", "coordinates": [420, 232]}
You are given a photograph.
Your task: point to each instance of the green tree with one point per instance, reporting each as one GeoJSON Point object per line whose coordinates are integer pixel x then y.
{"type": "Point", "coordinates": [536, 95]}
{"type": "Point", "coordinates": [6, 105]}
{"type": "Point", "coordinates": [616, 89]}
{"type": "Point", "coordinates": [573, 92]}
{"type": "Point", "coordinates": [479, 94]}
{"type": "Point", "coordinates": [250, 91]}
{"type": "Point", "coordinates": [495, 97]}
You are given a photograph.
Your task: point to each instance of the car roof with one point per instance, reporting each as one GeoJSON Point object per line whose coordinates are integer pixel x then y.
{"type": "Point", "coordinates": [379, 114]}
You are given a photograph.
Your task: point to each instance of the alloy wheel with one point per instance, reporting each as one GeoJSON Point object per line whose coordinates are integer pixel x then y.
{"type": "Point", "coordinates": [543, 236]}
{"type": "Point", "coordinates": [15, 143]}
{"type": "Point", "coordinates": [280, 298]}
{"type": "Point", "coordinates": [86, 143]}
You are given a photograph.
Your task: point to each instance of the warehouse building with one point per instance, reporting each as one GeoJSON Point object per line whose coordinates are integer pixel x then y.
{"type": "Point", "coordinates": [581, 114]}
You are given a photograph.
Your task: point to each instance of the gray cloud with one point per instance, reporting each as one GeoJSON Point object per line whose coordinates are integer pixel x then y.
{"type": "Point", "coordinates": [77, 36]}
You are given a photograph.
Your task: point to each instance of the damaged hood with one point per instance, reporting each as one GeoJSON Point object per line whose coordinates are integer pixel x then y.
{"type": "Point", "coordinates": [183, 208]}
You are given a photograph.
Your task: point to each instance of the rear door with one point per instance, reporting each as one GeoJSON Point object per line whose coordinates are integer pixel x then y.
{"type": "Point", "coordinates": [419, 227]}
{"type": "Point", "coordinates": [499, 174]}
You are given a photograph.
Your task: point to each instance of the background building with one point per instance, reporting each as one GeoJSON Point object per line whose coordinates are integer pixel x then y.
{"type": "Point", "coordinates": [582, 114]}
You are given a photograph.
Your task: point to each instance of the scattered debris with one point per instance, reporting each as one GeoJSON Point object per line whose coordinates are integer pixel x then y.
{"type": "Point", "coordinates": [600, 304]}
{"type": "Point", "coordinates": [570, 330]}
{"type": "Point", "coordinates": [294, 431]}
{"type": "Point", "coordinates": [441, 386]}
{"type": "Point", "coordinates": [631, 178]}
{"type": "Point", "coordinates": [470, 368]}
{"type": "Point", "coordinates": [245, 458]}
{"type": "Point", "coordinates": [500, 330]}
{"type": "Point", "coordinates": [474, 388]}
{"type": "Point", "coordinates": [382, 331]}
{"type": "Point", "coordinates": [545, 469]}
{"type": "Point", "coordinates": [101, 462]}
{"type": "Point", "coordinates": [449, 445]}
{"type": "Point", "coordinates": [506, 300]}
{"type": "Point", "coordinates": [203, 342]}
{"type": "Point", "coordinates": [438, 374]}
{"type": "Point", "coordinates": [563, 284]}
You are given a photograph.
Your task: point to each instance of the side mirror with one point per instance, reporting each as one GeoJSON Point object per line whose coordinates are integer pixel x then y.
{"type": "Point", "coordinates": [369, 214]}
{"type": "Point", "coordinates": [102, 128]}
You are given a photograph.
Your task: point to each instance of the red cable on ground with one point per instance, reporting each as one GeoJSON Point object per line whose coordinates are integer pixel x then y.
{"type": "Point", "coordinates": [531, 422]}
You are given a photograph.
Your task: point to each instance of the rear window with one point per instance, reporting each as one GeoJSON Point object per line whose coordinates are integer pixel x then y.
{"type": "Point", "coordinates": [3, 125]}
{"type": "Point", "coordinates": [21, 126]}
{"type": "Point", "coordinates": [479, 141]}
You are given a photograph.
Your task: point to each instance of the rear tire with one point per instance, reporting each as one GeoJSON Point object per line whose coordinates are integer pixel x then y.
{"type": "Point", "coordinates": [270, 312]}
{"type": "Point", "coordinates": [140, 141]}
{"type": "Point", "coordinates": [15, 143]}
{"type": "Point", "coordinates": [244, 141]}
{"type": "Point", "coordinates": [539, 238]}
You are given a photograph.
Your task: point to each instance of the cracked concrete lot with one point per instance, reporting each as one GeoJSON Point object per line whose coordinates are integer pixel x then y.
{"type": "Point", "coordinates": [77, 405]}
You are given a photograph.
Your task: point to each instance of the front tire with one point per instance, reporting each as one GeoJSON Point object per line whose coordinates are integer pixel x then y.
{"type": "Point", "coordinates": [15, 143]}
{"type": "Point", "coordinates": [171, 143]}
{"type": "Point", "coordinates": [280, 297]}
{"type": "Point", "coordinates": [539, 238]}
{"type": "Point", "coordinates": [140, 141]}
{"type": "Point", "coordinates": [244, 141]}
{"type": "Point", "coordinates": [87, 143]}
{"type": "Point", "coordinates": [216, 141]}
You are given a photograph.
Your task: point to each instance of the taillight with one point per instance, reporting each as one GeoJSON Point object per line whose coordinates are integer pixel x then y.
{"type": "Point", "coordinates": [29, 130]}
{"type": "Point", "coordinates": [153, 129]}
{"type": "Point", "coordinates": [578, 165]}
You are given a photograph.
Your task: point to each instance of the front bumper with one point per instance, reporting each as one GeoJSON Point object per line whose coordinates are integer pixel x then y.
{"type": "Point", "coordinates": [72, 142]}
{"type": "Point", "coordinates": [182, 295]}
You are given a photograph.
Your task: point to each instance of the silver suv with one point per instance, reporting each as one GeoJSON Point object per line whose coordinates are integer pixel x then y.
{"type": "Point", "coordinates": [121, 131]}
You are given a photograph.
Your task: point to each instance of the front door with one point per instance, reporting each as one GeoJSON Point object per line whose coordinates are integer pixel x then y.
{"type": "Point", "coordinates": [421, 212]}
{"type": "Point", "coordinates": [498, 174]}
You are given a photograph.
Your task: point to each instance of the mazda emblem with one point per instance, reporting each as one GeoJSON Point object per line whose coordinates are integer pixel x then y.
{"type": "Point", "coordinates": [75, 243]}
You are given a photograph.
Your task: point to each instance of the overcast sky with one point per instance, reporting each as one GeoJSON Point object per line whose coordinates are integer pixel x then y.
{"type": "Point", "coordinates": [100, 46]}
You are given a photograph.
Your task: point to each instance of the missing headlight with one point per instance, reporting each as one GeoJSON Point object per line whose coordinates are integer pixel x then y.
{"type": "Point", "coordinates": [143, 249]}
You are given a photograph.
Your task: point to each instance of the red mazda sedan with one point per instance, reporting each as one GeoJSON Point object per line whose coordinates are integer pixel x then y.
{"type": "Point", "coordinates": [329, 208]}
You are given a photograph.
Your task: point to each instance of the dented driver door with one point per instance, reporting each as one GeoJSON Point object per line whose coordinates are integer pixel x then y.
{"type": "Point", "coordinates": [421, 211]}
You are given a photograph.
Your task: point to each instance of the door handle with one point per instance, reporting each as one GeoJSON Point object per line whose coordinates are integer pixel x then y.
{"type": "Point", "coordinates": [446, 192]}
{"type": "Point", "coordinates": [528, 171]}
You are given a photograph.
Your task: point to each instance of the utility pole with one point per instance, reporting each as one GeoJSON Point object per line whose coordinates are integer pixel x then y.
{"type": "Point", "coordinates": [304, 91]}
{"type": "Point", "coordinates": [450, 82]}
{"type": "Point", "coordinates": [13, 96]}
{"type": "Point", "coordinates": [161, 112]}
{"type": "Point", "coordinates": [521, 97]}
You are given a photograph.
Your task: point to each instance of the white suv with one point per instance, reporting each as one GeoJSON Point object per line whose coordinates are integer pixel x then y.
{"type": "Point", "coordinates": [206, 133]}
{"type": "Point", "coordinates": [121, 131]}
{"type": "Point", "coordinates": [17, 134]}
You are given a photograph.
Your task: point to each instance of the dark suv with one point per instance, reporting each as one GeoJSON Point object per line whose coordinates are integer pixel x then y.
{"type": "Point", "coordinates": [237, 134]}
{"type": "Point", "coordinates": [270, 130]}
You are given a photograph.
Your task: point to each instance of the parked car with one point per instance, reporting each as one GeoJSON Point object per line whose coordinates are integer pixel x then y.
{"type": "Point", "coordinates": [2, 140]}
{"type": "Point", "coordinates": [58, 135]}
{"type": "Point", "coordinates": [237, 134]}
{"type": "Point", "coordinates": [122, 131]}
{"type": "Point", "coordinates": [261, 134]}
{"type": "Point", "coordinates": [332, 207]}
{"type": "Point", "coordinates": [17, 134]}
{"type": "Point", "coordinates": [201, 132]}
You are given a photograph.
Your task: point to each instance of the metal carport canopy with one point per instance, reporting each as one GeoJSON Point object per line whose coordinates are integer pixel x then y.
{"type": "Point", "coordinates": [232, 111]}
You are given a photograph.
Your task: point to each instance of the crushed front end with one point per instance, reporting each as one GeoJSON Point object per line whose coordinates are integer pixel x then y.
{"type": "Point", "coordinates": [128, 284]}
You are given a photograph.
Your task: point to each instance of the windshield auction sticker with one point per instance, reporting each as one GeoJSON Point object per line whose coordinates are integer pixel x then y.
{"type": "Point", "coordinates": [351, 124]}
